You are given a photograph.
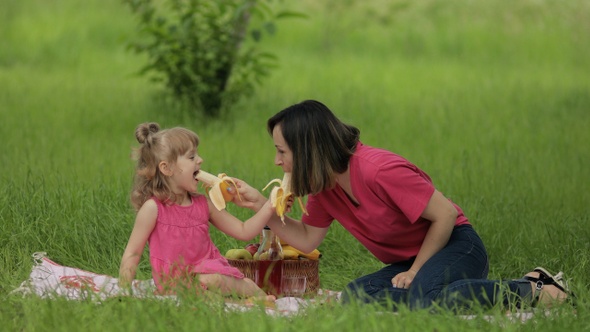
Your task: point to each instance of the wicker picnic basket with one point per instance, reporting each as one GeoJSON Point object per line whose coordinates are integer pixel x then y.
{"type": "Point", "coordinates": [291, 268]}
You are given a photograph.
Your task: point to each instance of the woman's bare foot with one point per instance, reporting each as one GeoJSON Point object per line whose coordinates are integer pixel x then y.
{"type": "Point", "coordinates": [546, 294]}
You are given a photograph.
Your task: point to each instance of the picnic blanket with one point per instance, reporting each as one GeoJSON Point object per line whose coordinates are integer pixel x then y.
{"type": "Point", "coordinates": [49, 279]}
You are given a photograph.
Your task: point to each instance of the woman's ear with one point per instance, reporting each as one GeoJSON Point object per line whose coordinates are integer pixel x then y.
{"type": "Point", "coordinates": [165, 168]}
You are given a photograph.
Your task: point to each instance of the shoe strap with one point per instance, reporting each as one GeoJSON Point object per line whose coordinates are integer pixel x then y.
{"type": "Point", "coordinates": [539, 282]}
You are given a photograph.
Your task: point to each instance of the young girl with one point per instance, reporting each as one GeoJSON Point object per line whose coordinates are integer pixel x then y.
{"type": "Point", "coordinates": [174, 220]}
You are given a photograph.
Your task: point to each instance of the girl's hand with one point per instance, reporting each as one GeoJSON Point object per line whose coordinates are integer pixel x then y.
{"type": "Point", "coordinates": [290, 202]}
{"type": "Point", "coordinates": [268, 205]}
{"type": "Point", "coordinates": [250, 197]}
{"type": "Point", "coordinates": [404, 279]}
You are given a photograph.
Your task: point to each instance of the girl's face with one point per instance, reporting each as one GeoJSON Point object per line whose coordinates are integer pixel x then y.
{"type": "Point", "coordinates": [185, 169]}
{"type": "Point", "coordinates": [284, 155]}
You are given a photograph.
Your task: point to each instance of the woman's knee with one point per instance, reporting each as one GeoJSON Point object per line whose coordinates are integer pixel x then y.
{"type": "Point", "coordinates": [364, 289]}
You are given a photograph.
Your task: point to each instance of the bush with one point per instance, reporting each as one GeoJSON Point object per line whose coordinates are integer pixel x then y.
{"type": "Point", "coordinates": [196, 47]}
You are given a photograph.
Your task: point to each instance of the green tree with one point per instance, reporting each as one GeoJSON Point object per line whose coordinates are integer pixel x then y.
{"type": "Point", "coordinates": [196, 47]}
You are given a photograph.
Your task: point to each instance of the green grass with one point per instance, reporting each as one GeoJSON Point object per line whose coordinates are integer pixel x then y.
{"type": "Point", "coordinates": [491, 99]}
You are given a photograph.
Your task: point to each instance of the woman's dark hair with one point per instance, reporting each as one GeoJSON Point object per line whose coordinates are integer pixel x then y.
{"type": "Point", "coordinates": [321, 144]}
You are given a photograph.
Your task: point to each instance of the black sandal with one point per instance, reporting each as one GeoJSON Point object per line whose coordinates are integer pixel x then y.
{"type": "Point", "coordinates": [546, 278]}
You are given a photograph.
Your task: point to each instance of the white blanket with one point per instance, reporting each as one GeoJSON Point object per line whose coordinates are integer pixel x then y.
{"type": "Point", "coordinates": [50, 280]}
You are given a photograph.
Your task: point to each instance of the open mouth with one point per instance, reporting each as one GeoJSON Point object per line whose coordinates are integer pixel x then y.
{"type": "Point", "coordinates": [195, 175]}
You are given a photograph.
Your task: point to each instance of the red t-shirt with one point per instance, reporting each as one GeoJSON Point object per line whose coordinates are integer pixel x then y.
{"type": "Point", "coordinates": [392, 194]}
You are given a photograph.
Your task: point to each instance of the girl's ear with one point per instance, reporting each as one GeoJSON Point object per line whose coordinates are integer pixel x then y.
{"type": "Point", "coordinates": [165, 168]}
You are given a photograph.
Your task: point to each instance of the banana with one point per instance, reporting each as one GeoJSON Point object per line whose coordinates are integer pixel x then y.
{"type": "Point", "coordinates": [280, 195]}
{"type": "Point", "coordinates": [314, 255]}
{"type": "Point", "coordinates": [217, 188]}
{"type": "Point", "coordinates": [290, 254]}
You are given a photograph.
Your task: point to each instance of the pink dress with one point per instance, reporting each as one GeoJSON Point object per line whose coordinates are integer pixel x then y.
{"type": "Point", "coordinates": [180, 245]}
{"type": "Point", "coordinates": [392, 194]}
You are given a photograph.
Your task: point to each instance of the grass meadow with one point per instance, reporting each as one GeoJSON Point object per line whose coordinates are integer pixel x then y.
{"type": "Point", "coordinates": [492, 99]}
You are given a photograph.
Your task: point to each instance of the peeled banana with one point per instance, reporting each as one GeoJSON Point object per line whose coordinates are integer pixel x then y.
{"type": "Point", "coordinates": [217, 188]}
{"type": "Point", "coordinates": [280, 195]}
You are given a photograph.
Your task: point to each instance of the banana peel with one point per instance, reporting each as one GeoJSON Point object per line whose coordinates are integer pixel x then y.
{"type": "Point", "coordinates": [280, 196]}
{"type": "Point", "coordinates": [216, 187]}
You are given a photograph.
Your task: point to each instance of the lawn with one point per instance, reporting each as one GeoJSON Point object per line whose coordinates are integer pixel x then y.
{"type": "Point", "coordinates": [491, 99]}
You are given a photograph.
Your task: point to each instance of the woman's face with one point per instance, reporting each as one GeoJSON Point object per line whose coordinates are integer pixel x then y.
{"type": "Point", "coordinates": [284, 156]}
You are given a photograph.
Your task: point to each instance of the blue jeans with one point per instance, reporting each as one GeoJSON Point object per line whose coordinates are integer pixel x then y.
{"type": "Point", "coordinates": [454, 278]}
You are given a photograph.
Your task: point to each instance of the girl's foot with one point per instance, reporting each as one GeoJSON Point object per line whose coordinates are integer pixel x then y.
{"type": "Point", "coordinates": [267, 300]}
{"type": "Point", "coordinates": [270, 298]}
{"type": "Point", "coordinates": [547, 289]}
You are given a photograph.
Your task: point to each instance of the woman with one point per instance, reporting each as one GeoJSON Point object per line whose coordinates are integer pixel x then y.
{"type": "Point", "coordinates": [432, 252]}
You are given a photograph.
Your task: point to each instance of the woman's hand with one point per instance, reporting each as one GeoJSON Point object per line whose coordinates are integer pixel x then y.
{"type": "Point", "coordinates": [404, 279]}
{"type": "Point", "coordinates": [249, 197]}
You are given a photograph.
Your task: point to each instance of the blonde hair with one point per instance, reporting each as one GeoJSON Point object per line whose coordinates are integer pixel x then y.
{"type": "Point", "coordinates": [157, 146]}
